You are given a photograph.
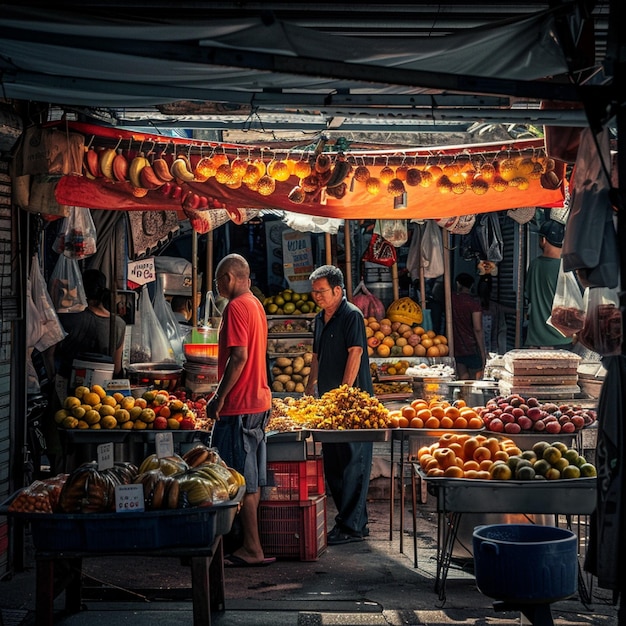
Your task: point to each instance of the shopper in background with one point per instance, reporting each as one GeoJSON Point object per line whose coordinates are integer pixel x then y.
{"type": "Point", "coordinates": [242, 401]}
{"type": "Point", "coordinates": [541, 280]}
{"type": "Point", "coordinates": [181, 307]}
{"type": "Point", "coordinates": [467, 325]}
{"type": "Point", "coordinates": [340, 358]}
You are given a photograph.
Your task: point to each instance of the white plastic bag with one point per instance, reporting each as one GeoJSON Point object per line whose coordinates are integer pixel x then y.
{"type": "Point", "coordinates": [568, 310]}
{"type": "Point", "coordinates": [149, 343]}
{"type": "Point", "coordinates": [168, 322]}
{"type": "Point", "coordinates": [432, 250]}
{"type": "Point", "coordinates": [394, 231]}
{"type": "Point", "coordinates": [66, 286]}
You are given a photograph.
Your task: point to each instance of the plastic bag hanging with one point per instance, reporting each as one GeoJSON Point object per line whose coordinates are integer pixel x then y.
{"type": "Point", "coordinates": [170, 326]}
{"type": "Point", "coordinates": [602, 331]}
{"type": "Point", "coordinates": [394, 231]}
{"type": "Point", "coordinates": [568, 309]}
{"type": "Point", "coordinates": [149, 343]}
{"type": "Point", "coordinates": [77, 235]}
{"type": "Point", "coordinates": [49, 325]}
{"type": "Point", "coordinates": [66, 286]}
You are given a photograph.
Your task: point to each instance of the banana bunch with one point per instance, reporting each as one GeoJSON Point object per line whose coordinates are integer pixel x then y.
{"type": "Point", "coordinates": [226, 477]}
{"type": "Point", "coordinates": [169, 465]}
{"type": "Point", "coordinates": [159, 491]}
{"type": "Point", "coordinates": [200, 454]}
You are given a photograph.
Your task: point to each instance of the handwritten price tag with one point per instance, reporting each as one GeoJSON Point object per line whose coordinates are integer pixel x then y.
{"type": "Point", "coordinates": [105, 456]}
{"type": "Point", "coordinates": [164, 444]}
{"type": "Point", "coordinates": [141, 272]}
{"type": "Point", "coordinates": [129, 499]}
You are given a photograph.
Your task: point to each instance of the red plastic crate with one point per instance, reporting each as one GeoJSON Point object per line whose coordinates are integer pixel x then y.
{"type": "Point", "coordinates": [294, 480]}
{"type": "Point", "coordinates": [293, 530]}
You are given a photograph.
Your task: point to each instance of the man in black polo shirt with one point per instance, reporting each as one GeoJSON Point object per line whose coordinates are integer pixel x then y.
{"type": "Point", "coordinates": [340, 358]}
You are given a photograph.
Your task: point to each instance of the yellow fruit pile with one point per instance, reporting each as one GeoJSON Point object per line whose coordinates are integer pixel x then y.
{"type": "Point", "coordinates": [386, 338]}
{"type": "Point", "coordinates": [92, 408]}
{"type": "Point", "coordinates": [476, 456]}
{"type": "Point", "coordinates": [344, 408]}
{"type": "Point", "coordinates": [289, 302]}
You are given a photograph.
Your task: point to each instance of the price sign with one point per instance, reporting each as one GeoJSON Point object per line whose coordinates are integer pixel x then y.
{"type": "Point", "coordinates": [105, 456]}
{"type": "Point", "coordinates": [141, 272]}
{"type": "Point", "coordinates": [129, 499]}
{"type": "Point", "coordinates": [164, 444]}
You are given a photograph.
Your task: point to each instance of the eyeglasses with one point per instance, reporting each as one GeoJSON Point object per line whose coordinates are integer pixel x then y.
{"type": "Point", "coordinates": [319, 292]}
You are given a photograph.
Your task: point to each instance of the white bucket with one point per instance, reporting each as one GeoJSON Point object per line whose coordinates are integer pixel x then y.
{"type": "Point", "coordinates": [90, 373]}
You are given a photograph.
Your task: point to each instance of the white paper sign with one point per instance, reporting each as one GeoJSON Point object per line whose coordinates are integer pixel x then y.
{"type": "Point", "coordinates": [164, 444]}
{"type": "Point", "coordinates": [141, 272]}
{"type": "Point", "coordinates": [297, 260]}
{"type": "Point", "coordinates": [129, 499]}
{"type": "Point", "coordinates": [118, 385]}
{"type": "Point", "coordinates": [105, 456]}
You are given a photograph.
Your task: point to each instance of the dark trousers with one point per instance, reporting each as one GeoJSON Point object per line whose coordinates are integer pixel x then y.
{"type": "Point", "coordinates": [347, 467]}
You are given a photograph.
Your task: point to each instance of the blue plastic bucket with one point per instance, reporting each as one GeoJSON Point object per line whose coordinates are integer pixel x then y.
{"type": "Point", "coordinates": [525, 562]}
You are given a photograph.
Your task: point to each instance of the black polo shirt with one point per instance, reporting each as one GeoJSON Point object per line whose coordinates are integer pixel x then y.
{"type": "Point", "coordinates": [331, 342]}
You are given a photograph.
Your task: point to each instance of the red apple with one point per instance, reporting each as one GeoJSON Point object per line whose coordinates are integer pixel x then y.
{"type": "Point", "coordinates": [525, 422]}
{"type": "Point", "coordinates": [568, 427]}
{"type": "Point", "coordinates": [578, 421]}
{"type": "Point", "coordinates": [373, 342]}
{"type": "Point", "coordinates": [187, 424]}
{"type": "Point", "coordinates": [160, 423]}
{"type": "Point", "coordinates": [539, 425]}
{"type": "Point", "coordinates": [564, 419]}
{"type": "Point", "coordinates": [534, 413]}
{"type": "Point", "coordinates": [496, 425]}
{"type": "Point", "coordinates": [507, 418]}
{"type": "Point", "coordinates": [413, 339]}
{"type": "Point", "coordinates": [532, 402]}
{"type": "Point", "coordinates": [512, 428]}
{"type": "Point", "coordinates": [553, 427]}
{"type": "Point", "coordinates": [517, 412]}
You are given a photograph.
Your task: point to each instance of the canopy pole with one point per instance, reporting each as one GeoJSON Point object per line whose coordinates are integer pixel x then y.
{"type": "Point", "coordinates": [522, 251]}
{"type": "Point", "coordinates": [394, 281]}
{"type": "Point", "coordinates": [209, 261]}
{"type": "Point", "coordinates": [329, 252]}
{"type": "Point", "coordinates": [447, 290]}
{"type": "Point", "coordinates": [194, 277]}
{"type": "Point", "coordinates": [347, 238]}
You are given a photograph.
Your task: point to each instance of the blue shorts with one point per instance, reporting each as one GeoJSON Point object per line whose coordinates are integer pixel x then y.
{"type": "Point", "coordinates": [240, 441]}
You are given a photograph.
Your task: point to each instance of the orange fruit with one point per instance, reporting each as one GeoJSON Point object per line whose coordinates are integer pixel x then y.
{"type": "Point", "coordinates": [486, 464]}
{"type": "Point", "coordinates": [431, 334]}
{"type": "Point", "coordinates": [427, 342]}
{"type": "Point", "coordinates": [383, 350]}
{"type": "Point", "coordinates": [441, 339]}
{"type": "Point", "coordinates": [483, 474]}
{"type": "Point", "coordinates": [475, 422]}
{"type": "Point", "coordinates": [452, 412]}
{"type": "Point", "coordinates": [471, 465]}
{"type": "Point", "coordinates": [469, 447]}
{"type": "Point", "coordinates": [454, 471]}
{"type": "Point", "coordinates": [494, 446]}
{"type": "Point", "coordinates": [435, 472]}
{"type": "Point", "coordinates": [416, 422]}
{"type": "Point", "coordinates": [424, 414]}
{"type": "Point", "coordinates": [389, 341]}
{"type": "Point", "coordinates": [457, 448]}
{"type": "Point", "coordinates": [408, 350]}
{"type": "Point", "coordinates": [409, 412]}
{"type": "Point", "coordinates": [430, 463]}
{"type": "Point", "coordinates": [482, 453]}
{"type": "Point", "coordinates": [418, 330]}
{"type": "Point", "coordinates": [423, 451]}
{"type": "Point", "coordinates": [432, 422]}
{"type": "Point", "coordinates": [394, 420]}
{"type": "Point", "coordinates": [443, 349]}
{"type": "Point", "coordinates": [446, 422]}
{"type": "Point", "coordinates": [419, 350]}
{"type": "Point", "coordinates": [403, 422]}
{"type": "Point", "coordinates": [471, 474]}
{"type": "Point", "coordinates": [437, 412]}
{"type": "Point", "coordinates": [460, 422]}
{"type": "Point", "coordinates": [445, 457]}
{"type": "Point", "coordinates": [419, 404]}
{"type": "Point", "coordinates": [501, 455]}
{"type": "Point", "coordinates": [459, 404]}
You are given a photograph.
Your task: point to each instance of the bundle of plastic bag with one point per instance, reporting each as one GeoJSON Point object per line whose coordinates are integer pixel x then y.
{"type": "Point", "coordinates": [149, 343]}
{"type": "Point", "coordinates": [169, 324]}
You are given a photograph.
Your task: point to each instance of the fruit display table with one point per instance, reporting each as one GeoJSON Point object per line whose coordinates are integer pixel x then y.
{"type": "Point", "coordinates": [207, 579]}
{"type": "Point", "coordinates": [456, 496]}
{"type": "Point", "coordinates": [63, 540]}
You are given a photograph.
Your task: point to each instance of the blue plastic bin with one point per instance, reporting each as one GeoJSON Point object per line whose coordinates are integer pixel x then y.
{"type": "Point", "coordinates": [525, 563]}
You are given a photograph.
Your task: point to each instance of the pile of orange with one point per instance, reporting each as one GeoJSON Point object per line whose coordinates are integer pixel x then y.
{"type": "Point", "coordinates": [461, 455]}
{"type": "Point", "coordinates": [435, 414]}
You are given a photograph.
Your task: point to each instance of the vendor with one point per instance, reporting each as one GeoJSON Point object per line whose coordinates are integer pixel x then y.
{"type": "Point", "coordinates": [89, 330]}
{"type": "Point", "coordinates": [182, 308]}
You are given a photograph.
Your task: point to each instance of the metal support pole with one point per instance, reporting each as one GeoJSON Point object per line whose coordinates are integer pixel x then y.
{"type": "Point", "coordinates": [347, 238]}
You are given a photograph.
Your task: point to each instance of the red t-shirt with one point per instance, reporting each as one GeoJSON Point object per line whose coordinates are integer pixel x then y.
{"type": "Point", "coordinates": [244, 324]}
{"type": "Point", "coordinates": [463, 305]}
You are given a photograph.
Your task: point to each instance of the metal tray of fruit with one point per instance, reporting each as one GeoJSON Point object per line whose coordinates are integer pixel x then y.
{"type": "Point", "coordinates": [576, 496]}
{"type": "Point", "coordinates": [410, 433]}
{"type": "Point", "coordinates": [353, 435]}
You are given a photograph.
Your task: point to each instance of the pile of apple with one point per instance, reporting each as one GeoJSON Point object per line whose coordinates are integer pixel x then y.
{"type": "Point", "coordinates": [513, 415]}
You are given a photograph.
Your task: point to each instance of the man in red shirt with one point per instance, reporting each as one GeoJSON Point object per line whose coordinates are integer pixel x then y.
{"type": "Point", "coordinates": [242, 401]}
{"type": "Point", "coordinates": [467, 325]}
